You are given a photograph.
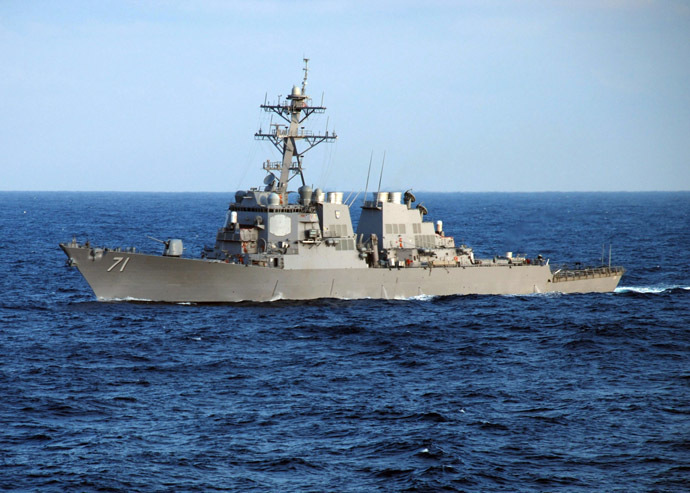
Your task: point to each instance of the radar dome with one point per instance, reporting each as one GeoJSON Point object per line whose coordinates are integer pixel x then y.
{"type": "Point", "coordinates": [305, 193]}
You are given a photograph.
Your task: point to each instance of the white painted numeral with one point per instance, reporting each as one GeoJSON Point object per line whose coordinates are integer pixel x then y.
{"type": "Point", "coordinates": [117, 262]}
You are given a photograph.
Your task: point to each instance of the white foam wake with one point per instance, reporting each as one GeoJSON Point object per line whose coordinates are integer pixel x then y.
{"type": "Point", "coordinates": [649, 289]}
{"type": "Point", "coordinates": [419, 297]}
{"type": "Point", "coordinates": [126, 298]}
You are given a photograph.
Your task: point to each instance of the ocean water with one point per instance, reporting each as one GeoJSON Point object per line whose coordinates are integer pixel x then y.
{"type": "Point", "coordinates": [464, 393]}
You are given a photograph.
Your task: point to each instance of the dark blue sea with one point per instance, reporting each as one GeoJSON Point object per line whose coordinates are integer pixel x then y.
{"type": "Point", "coordinates": [545, 392]}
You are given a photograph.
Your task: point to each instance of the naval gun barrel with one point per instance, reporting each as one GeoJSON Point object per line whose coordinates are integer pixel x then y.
{"type": "Point", "coordinates": [173, 247]}
{"type": "Point", "coordinates": [156, 239]}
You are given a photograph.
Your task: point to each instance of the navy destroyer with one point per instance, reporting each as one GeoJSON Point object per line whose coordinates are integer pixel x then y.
{"type": "Point", "coordinates": [277, 244]}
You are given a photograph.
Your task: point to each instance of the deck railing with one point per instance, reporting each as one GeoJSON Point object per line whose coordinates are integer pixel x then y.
{"type": "Point", "coordinates": [566, 274]}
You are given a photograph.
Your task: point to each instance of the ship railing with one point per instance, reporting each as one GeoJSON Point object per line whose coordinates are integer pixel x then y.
{"type": "Point", "coordinates": [566, 274]}
{"type": "Point", "coordinates": [282, 133]}
{"type": "Point", "coordinates": [273, 165]}
{"type": "Point", "coordinates": [278, 165]}
{"type": "Point", "coordinates": [372, 204]}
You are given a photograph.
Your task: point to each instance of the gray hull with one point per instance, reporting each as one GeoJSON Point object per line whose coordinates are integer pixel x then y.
{"type": "Point", "coordinates": [117, 275]}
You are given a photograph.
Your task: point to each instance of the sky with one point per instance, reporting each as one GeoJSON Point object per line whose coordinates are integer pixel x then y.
{"type": "Point", "coordinates": [466, 95]}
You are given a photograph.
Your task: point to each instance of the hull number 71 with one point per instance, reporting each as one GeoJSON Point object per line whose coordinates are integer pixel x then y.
{"type": "Point", "coordinates": [119, 261]}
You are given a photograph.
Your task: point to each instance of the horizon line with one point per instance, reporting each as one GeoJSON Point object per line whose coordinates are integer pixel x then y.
{"type": "Point", "coordinates": [351, 191]}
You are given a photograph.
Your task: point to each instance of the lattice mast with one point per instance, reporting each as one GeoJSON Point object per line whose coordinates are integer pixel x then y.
{"type": "Point", "coordinates": [295, 110]}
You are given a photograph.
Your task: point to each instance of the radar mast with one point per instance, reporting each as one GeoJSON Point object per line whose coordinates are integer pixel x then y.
{"type": "Point", "coordinates": [295, 110]}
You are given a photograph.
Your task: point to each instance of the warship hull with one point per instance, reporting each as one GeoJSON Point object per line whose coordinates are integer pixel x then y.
{"type": "Point", "coordinates": [123, 276]}
{"type": "Point", "coordinates": [274, 245]}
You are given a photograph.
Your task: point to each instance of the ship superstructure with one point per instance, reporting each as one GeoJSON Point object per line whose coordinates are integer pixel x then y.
{"type": "Point", "coordinates": [278, 244]}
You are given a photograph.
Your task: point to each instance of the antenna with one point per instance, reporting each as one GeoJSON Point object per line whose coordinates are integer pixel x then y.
{"type": "Point", "coordinates": [383, 162]}
{"type": "Point", "coordinates": [603, 245]}
{"type": "Point", "coordinates": [366, 187]}
{"type": "Point", "coordinates": [609, 255]}
{"type": "Point", "coordinates": [306, 72]}
{"type": "Point", "coordinates": [322, 93]}
{"type": "Point", "coordinates": [355, 199]}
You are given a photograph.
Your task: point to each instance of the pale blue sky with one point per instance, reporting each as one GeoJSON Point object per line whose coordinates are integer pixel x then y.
{"type": "Point", "coordinates": [476, 95]}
